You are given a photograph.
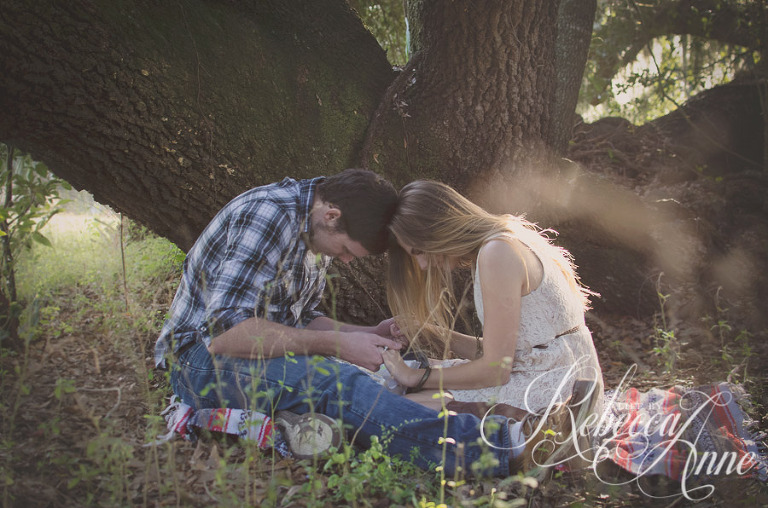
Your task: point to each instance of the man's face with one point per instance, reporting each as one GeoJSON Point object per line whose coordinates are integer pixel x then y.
{"type": "Point", "coordinates": [325, 238]}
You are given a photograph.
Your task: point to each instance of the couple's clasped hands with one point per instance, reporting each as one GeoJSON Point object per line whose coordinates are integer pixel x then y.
{"type": "Point", "coordinates": [380, 344]}
{"type": "Point", "coordinates": [393, 360]}
{"type": "Point", "coordinates": [383, 345]}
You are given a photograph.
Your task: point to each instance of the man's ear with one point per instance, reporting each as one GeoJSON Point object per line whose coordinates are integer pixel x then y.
{"type": "Point", "coordinates": [332, 214]}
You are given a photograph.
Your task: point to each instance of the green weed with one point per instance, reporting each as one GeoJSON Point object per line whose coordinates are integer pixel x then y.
{"type": "Point", "coordinates": [78, 288]}
{"type": "Point", "coordinates": [735, 343]}
{"type": "Point", "coordinates": [667, 346]}
{"type": "Point", "coordinates": [371, 474]}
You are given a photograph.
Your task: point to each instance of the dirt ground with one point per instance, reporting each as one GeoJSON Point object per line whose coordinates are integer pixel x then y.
{"type": "Point", "coordinates": [80, 442]}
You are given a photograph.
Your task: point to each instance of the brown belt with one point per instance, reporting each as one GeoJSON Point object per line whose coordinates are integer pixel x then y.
{"type": "Point", "coordinates": [567, 332]}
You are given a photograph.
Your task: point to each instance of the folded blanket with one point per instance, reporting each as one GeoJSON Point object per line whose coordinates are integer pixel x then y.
{"type": "Point", "coordinates": [681, 433]}
{"type": "Point", "coordinates": [244, 424]}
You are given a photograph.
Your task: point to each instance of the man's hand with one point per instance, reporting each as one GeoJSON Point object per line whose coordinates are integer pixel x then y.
{"type": "Point", "coordinates": [389, 329]}
{"type": "Point", "coordinates": [364, 349]}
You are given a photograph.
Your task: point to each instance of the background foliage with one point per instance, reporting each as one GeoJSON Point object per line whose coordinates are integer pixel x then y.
{"type": "Point", "coordinates": [29, 198]}
{"type": "Point", "coordinates": [657, 73]}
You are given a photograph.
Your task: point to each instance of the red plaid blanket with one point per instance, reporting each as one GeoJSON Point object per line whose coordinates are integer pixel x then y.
{"type": "Point", "coordinates": [681, 433]}
{"type": "Point", "coordinates": [241, 423]}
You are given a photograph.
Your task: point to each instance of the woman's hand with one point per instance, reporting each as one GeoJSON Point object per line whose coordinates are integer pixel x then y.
{"type": "Point", "coordinates": [402, 373]}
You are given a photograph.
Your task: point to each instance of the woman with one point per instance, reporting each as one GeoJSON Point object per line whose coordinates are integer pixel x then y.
{"type": "Point", "coordinates": [536, 350]}
{"type": "Point", "coordinates": [534, 343]}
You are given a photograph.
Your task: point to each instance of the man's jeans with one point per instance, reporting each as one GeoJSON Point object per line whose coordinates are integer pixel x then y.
{"type": "Point", "coordinates": [313, 384]}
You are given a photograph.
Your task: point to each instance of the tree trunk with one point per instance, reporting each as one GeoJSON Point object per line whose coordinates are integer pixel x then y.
{"type": "Point", "coordinates": [9, 319]}
{"type": "Point", "coordinates": [167, 110]}
{"type": "Point", "coordinates": [574, 34]}
{"type": "Point", "coordinates": [474, 100]}
{"type": "Point", "coordinates": [719, 131]}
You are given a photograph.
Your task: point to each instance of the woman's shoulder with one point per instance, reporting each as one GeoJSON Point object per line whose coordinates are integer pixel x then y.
{"type": "Point", "coordinates": [500, 251]}
{"type": "Point", "coordinates": [501, 244]}
{"type": "Point", "coordinates": [508, 255]}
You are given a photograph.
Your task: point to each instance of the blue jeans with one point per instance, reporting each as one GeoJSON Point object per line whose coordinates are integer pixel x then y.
{"type": "Point", "coordinates": [304, 384]}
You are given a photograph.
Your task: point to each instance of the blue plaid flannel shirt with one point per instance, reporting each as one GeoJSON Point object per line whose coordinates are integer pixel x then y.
{"type": "Point", "coordinates": [249, 261]}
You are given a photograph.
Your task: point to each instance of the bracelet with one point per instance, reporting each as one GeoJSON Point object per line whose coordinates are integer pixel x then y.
{"type": "Point", "coordinates": [418, 387]}
{"type": "Point", "coordinates": [478, 347]}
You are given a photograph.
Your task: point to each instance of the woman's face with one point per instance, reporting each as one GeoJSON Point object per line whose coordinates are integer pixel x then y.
{"type": "Point", "coordinates": [419, 255]}
{"type": "Point", "coordinates": [422, 258]}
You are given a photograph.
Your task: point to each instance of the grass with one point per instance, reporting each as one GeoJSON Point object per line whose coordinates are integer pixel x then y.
{"type": "Point", "coordinates": [82, 398]}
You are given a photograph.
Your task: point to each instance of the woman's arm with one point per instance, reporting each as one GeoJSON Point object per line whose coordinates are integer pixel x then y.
{"type": "Point", "coordinates": [464, 346]}
{"type": "Point", "coordinates": [461, 345]}
{"type": "Point", "coordinates": [503, 279]}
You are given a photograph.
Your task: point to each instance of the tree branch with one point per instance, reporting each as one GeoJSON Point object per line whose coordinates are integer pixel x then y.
{"type": "Point", "coordinates": [631, 26]}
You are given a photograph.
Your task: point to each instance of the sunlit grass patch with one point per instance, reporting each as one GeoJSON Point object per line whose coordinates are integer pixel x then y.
{"type": "Point", "coordinates": [84, 249]}
{"type": "Point", "coordinates": [88, 249]}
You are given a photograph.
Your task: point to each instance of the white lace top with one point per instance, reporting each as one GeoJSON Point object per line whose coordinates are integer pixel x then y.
{"type": "Point", "coordinates": [554, 346]}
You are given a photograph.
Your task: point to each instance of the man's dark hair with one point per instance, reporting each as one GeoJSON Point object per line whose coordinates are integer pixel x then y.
{"type": "Point", "coordinates": [367, 203]}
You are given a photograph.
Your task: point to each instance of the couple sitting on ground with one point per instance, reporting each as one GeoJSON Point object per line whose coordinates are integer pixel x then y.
{"type": "Point", "coordinates": [244, 327]}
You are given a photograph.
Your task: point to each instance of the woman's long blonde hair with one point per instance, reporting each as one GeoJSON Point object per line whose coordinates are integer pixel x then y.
{"type": "Point", "coordinates": [434, 218]}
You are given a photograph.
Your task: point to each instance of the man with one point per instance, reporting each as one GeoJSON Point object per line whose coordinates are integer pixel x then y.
{"type": "Point", "coordinates": [256, 274]}
{"type": "Point", "coordinates": [244, 319]}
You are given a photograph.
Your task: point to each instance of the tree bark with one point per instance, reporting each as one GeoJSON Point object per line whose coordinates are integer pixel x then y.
{"type": "Point", "coordinates": [474, 100]}
{"type": "Point", "coordinates": [719, 131]}
{"type": "Point", "coordinates": [165, 111]}
{"type": "Point", "coordinates": [574, 34]}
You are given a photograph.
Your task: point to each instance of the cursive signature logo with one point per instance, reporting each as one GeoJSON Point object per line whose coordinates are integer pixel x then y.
{"type": "Point", "coordinates": [659, 436]}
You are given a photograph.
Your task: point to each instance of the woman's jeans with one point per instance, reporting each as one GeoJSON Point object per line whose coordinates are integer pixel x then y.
{"type": "Point", "coordinates": [304, 384]}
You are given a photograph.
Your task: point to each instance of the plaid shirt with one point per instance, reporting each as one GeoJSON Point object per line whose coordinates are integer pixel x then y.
{"type": "Point", "coordinates": [249, 261]}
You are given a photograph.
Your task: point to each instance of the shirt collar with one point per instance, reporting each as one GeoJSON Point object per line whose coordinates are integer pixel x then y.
{"type": "Point", "coordinates": [307, 190]}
